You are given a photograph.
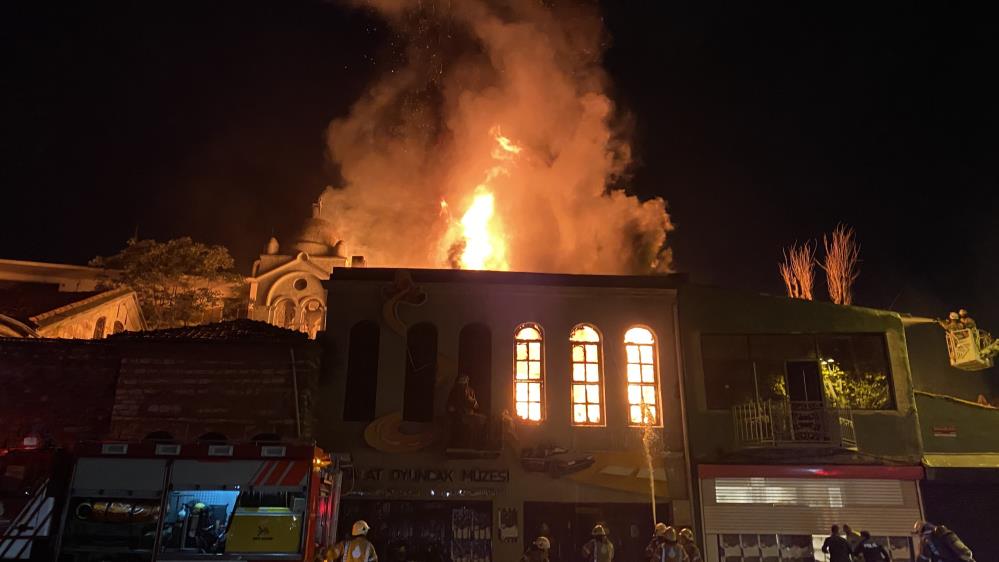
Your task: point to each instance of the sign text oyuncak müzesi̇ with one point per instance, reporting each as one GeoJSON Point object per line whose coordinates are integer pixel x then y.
{"type": "Point", "coordinates": [435, 474]}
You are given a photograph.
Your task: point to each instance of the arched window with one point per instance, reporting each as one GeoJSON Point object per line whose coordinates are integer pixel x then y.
{"type": "Point", "coordinates": [118, 327]}
{"type": "Point", "coordinates": [587, 376]}
{"type": "Point", "coordinates": [99, 327]}
{"type": "Point", "coordinates": [529, 373]}
{"type": "Point", "coordinates": [421, 373]}
{"type": "Point", "coordinates": [362, 373]}
{"type": "Point", "coordinates": [284, 314]}
{"type": "Point", "coordinates": [475, 359]}
{"type": "Point", "coordinates": [643, 381]}
{"type": "Point", "coordinates": [314, 317]}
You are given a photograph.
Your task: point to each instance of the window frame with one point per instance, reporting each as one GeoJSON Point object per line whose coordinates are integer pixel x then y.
{"type": "Point", "coordinates": [601, 379]}
{"type": "Point", "coordinates": [883, 335]}
{"type": "Point", "coordinates": [541, 380]}
{"type": "Point", "coordinates": [660, 414]}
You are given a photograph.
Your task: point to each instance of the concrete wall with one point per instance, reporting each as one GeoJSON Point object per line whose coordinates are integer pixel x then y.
{"type": "Point", "coordinates": [502, 302]}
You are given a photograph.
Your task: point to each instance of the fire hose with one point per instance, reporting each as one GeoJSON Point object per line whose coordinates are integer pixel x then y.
{"type": "Point", "coordinates": [118, 512]}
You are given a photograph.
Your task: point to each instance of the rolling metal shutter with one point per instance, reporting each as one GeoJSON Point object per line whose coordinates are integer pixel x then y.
{"type": "Point", "coordinates": [808, 505]}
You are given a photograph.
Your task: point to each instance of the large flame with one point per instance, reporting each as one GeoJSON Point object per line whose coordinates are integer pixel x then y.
{"type": "Point", "coordinates": [431, 181]}
{"type": "Point", "coordinates": [477, 241]}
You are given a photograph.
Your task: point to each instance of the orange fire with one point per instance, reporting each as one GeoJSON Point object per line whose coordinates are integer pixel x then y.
{"type": "Point", "coordinates": [477, 240]}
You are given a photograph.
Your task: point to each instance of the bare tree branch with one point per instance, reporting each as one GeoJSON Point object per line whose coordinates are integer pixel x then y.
{"type": "Point", "coordinates": [842, 257]}
{"type": "Point", "coordinates": [797, 270]}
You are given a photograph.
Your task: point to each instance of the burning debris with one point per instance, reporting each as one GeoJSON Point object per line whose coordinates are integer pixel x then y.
{"type": "Point", "coordinates": [492, 146]}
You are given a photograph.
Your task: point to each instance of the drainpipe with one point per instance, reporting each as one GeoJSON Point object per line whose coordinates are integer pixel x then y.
{"type": "Point", "coordinates": [683, 414]}
{"type": "Point", "coordinates": [294, 382]}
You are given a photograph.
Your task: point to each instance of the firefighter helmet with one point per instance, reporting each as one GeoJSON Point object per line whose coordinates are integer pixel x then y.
{"type": "Point", "coordinates": [360, 528]}
{"type": "Point", "coordinates": [687, 534]}
{"type": "Point", "coordinates": [543, 543]}
{"type": "Point", "coordinates": [199, 506]}
{"type": "Point", "coordinates": [670, 534]}
{"type": "Point", "coordinates": [660, 529]}
{"type": "Point", "coordinates": [599, 531]}
{"type": "Point", "coordinates": [923, 527]}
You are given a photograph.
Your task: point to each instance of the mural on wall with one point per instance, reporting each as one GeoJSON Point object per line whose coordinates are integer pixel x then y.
{"type": "Point", "coordinates": [466, 431]}
{"type": "Point", "coordinates": [402, 291]}
{"type": "Point", "coordinates": [385, 434]}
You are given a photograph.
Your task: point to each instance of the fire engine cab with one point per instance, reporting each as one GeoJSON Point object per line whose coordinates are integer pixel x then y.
{"type": "Point", "coordinates": [203, 501]}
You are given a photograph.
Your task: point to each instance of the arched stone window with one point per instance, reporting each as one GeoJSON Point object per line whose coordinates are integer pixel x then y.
{"type": "Point", "coordinates": [529, 372]}
{"type": "Point", "coordinates": [587, 376]}
{"type": "Point", "coordinates": [643, 377]}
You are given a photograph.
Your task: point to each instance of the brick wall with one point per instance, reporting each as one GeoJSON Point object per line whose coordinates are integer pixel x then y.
{"type": "Point", "coordinates": [191, 388]}
{"type": "Point", "coordinates": [58, 389]}
{"type": "Point", "coordinates": [73, 390]}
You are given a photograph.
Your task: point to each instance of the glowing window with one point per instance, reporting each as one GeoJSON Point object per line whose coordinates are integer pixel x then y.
{"type": "Point", "coordinates": [529, 373]}
{"type": "Point", "coordinates": [643, 385]}
{"type": "Point", "coordinates": [587, 376]}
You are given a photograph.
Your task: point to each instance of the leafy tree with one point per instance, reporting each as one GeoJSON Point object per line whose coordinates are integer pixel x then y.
{"type": "Point", "coordinates": [179, 282]}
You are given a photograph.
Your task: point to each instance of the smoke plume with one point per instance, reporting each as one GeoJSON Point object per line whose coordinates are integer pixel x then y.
{"type": "Point", "coordinates": [422, 141]}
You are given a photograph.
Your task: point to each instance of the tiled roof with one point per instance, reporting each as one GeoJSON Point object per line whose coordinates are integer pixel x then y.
{"type": "Point", "coordinates": [23, 301]}
{"type": "Point", "coordinates": [231, 330]}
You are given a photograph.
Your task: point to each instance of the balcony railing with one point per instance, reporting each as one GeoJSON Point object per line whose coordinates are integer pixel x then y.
{"type": "Point", "coordinates": [783, 423]}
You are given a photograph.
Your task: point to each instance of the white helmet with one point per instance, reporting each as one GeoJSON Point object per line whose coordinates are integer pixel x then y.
{"type": "Point", "coordinates": [543, 543]}
{"type": "Point", "coordinates": [360, 528]}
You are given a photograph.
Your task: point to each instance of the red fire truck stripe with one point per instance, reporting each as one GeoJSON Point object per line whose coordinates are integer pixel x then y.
{"type": "Point", "coordinates": [296, 474]}
{"type": "Point", "coordinates": [265, 468]}
{"type": "Point", "coordinates": [277, 473]}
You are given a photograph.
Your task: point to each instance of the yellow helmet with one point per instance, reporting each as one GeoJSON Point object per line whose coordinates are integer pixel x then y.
{"type": "Point", "coordinates": [687, 534]}
{"type": "Point", "coordinates": [543, 543]}
{"type": "Point", "coordinates": [599, 531]}
{"type": "Point", "coordinates": [660, 529]}
{"type": "Point", "coordinates": [670, 534]}
{"type": "Point", "coordinates": [360, 528]}
{"type": "Point", "coordinates": [199, 506]}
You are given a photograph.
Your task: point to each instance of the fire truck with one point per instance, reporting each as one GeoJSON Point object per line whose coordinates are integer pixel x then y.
{"type": "Point", "coordinates": [166, 502]}
{"type": "Point", "coordinates": [31, 481]}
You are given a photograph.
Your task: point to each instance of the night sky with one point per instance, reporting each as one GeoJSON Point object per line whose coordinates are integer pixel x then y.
{"type": "Point", "coordinates": [760, 128]}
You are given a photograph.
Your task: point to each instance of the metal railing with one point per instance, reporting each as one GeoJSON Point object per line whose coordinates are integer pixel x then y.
{"type": "Point", "coordinates": [778, 423]}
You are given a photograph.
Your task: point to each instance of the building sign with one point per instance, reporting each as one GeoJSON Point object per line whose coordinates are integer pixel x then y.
{"type": "Point", "coordinates": [434, 475]}
{"type": "Point", "coordinates": [944, 431]}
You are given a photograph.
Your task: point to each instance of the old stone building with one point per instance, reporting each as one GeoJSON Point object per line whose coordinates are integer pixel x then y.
{"type": "Point", "coordinates": [480, 409]}
{"type": "Point", "coordinates": [52, 300]}
{"type": "Point", "coordinates": [286, 287]}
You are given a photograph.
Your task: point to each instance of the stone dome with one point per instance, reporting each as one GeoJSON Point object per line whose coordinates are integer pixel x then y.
{"type": "Point", "coordinates": [317, 237]}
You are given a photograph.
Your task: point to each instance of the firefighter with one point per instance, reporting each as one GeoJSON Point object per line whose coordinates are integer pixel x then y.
{"type": "Point", "coordinates": [853, 539]}
{"type": "Point", "coordinates": [538, 551]}
{"type": "Point", "coordinates": [870, 550]}
{"type": "Point", "coordinates": [668, 549]}
{"type": "Point", "coordinates": [357, 549]}
{"type": "Point", "coordinates": [953, 322]}
{"type": "Point", "coordinates": [689, 546]}
{"type": "Point", "coordinates": [965, 320]}
{"type": "Point", "coordinates": [599, 548]}
{"type": "Point", "coordinates": [658, 532]}
{"type": "Point", "coordinates": [940, 544]}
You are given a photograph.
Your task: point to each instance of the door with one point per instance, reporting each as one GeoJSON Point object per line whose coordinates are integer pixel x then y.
{"type": "Point", "coordinates": [807, 413]}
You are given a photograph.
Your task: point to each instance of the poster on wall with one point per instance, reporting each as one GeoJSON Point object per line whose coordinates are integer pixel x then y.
{"type": "Point", "coordinates": [508, 524]}
{"type": "Point", "coordinates": [424, 530]}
